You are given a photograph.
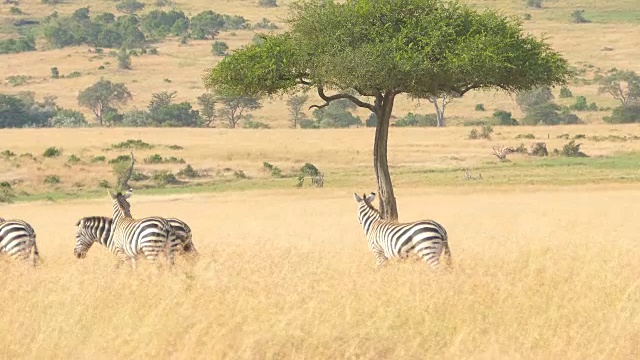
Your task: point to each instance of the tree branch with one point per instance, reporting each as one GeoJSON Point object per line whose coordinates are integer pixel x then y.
{"type": "Point", "coordinates": [125, 180]}
{"type": "Point", "coordinates": [329, 99]}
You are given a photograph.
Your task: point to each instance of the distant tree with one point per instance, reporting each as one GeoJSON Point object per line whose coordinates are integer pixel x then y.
{"type": "Point", "coordinates": [103, 95]}
{"type": "Point", "coordinates": [234, 107]}
{"type": "Point", "coordinates": [161, 100]}
{"type": "Point", "coordinates": [206, 25]}
{"type": "Point", "coordinates": [158, 23]}
{"type": "Point", "coordinates": [207, 104]}
{"type": "Point", "coordinates": [535, 97]}
{"type": "Point", "coordinates": [440, 103]}
{"type": "Point", "coordinates": [336, 115]}
{"type": "Point", "coordinates": [295, 104]}
{"type": "Point", "coordinates": [55, 73]}
{"type": "Point", "coordinates": [163, 112]}
{"type": "Point", "coordinates": [219, 48]}
{"type": "Point", "coordinates": [124, 60]}
{"type": "Point", "coordinates": [129, 6]}
{"type": "Point", "coordinates": [577, 17]}
{"type": "Point", "coordinates": [624, 86]}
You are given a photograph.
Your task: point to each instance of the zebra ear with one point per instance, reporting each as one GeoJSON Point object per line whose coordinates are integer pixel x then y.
{"type": "Point", "coordinates": [111, 194]}
{"type": "Point", "coordinates": [357, 197]}
{"type": "Point", "coordinates": [128, 193]}
{"type": "Point", "coordinates": [371, 197]}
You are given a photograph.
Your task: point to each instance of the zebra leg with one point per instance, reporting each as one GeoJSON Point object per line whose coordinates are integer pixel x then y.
{"type": "Point", "coordinates": [133, 264]}
{"type": "Point", "coordinates": [380, 259]}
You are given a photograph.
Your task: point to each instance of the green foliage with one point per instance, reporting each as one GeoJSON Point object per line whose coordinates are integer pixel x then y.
{"type": "Point", "coordinates": [7, 194]}
{"type": "Point", "coordinates": [252, 124]}
{"type": "Point", "coordinates": [158, 24]}
{"type": "Point", "coordinates": [55, 73]}
{"type": "Point", "coordinates": [526, 136]}
{"type": "Point", "coordinates": [129, 6]}
{"type": "Point", "coordinates": [484, 133]}
{"type": "Point", "coordinates": [103, 96]}
{"type": "Point", "coordinates": [539, 149]}
{"type": "Point", "coordinates": [175, 147]}
{"type": "Point", "coordinates": [165, 177]}
{"type": "Point", "coordinates": [17, 80]}
{"type": "Point", "coordinates": [295, 104]}
{"type": "Point", "coordinates": [239, 174]}
{"type": "Point", "coordinates": [417, 120]}
{"type": "Point", "coordinates": [52, 152]}
{"type": "Point", "coordinates": [526, 16]}
{"type": "Point", "coordinates": [73, 159]}
{"type": "Point", "coordinates": [527, 100]}
{"type": "Point", "coordinates": [23, 44]}
{"type": "Point", "coordinates": [580, 104]}
{"type": "Point", "coordinates": [480, 107]}
{"type": "Point", "coordinates": [308, 169]}
{"type": "Point", "coordinates": [121, 159]}
{"type": "Point", "coordinates": [233, 107]}
{"type": "Point", "coordinates": [104, 184]}
{"type": "Point", "coordinates": [163, 112]}
{"type": "Point", "coordinates": [124, 60]}
{"type": "Point", "coordinates": [157, 159]}
{"type": "Point", "coordinates": [267, 3]}
{"type": "Point", "coordinates": [68, 118]}
{"type": "Point", "coordinates": [504, 118]}
{"type": "Point", "coordinates": [219, 48]}
{"type": "Point", "coordinates": [7, 154]}
{"type": "Point", "coordinates": [99, 158]}
{"type": "Point", "coordinates": [565, 92]}
{"type": "Point", "coordinates": [372, 120]}
{"type": "Point", "coordinates": [206, 25]}
{"type": "Point", "coordinates": [22, 110]}
{"type": "Point", "coordinates": [207, 110]}
{"type": "Point", "coordinates": [624, 115]}
{"type": "Point", "coordinates": [376, 46]}
{"type": "Point", "coordinates": [132, 144]}
{"type": "Point", "coordinates": [539, 108]}
{"type": "Point", "coordinates": [14, 10]}
{"type": "Point", "coordinates": [273, 170]}
{"type": "Point", "coordinates": [265, 24]}
{"type": "Point", "coordinates": [572, 149]}
{"type": "Point", "coordinates": [577, 17]}
{"type": "Point", "coordinates": [73, 74]}
{"type": "Point", "coordinates": [52, 179]}
{"type": "Point", "coordinates": [336, 115]}
{"type": "Point", "coordinates": [188, 172]}
{"type": "Point", "coordinates": [623, 85]}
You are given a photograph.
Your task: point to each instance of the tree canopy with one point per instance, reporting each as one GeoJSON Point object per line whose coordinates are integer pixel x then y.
{"type": "Point", "coordinates": [379, 49]}
{"type": "Point", "coordinates": [102, 96]}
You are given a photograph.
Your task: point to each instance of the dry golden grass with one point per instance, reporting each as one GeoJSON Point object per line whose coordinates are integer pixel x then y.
{"type": "Point", "coordinates": [538, 274]}
{"type": "Point", "coordinates": [344, 155]}
{"type": "Point", "coordinates": [184, 65]}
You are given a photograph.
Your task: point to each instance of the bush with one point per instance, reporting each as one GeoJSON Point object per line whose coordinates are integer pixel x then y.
{"type": "Point", "coordinates": [188, 172]}
{"type": "Point", "coordinates": [309, 169]}
{"type": "Point", "coordinates": [104, 184]}
{"type": "Point", "coordinates": [250, 124]}
{"type": "Point", "coordinates": [580, 104]}
{"type": "Point", "coordinates": [504, 118]}
{"type": "Point", "coordinates": [219, 48]}
{"type": "Point", "coordinates": [23, 44]}
{"type": "Point", "coordinates": [274, 170]}
{"type": "Point", "coordinates": [485, 133]}
{"type": "Point", "coordinates": [98, 158]}
{"type": "Point", "coordinates": [73, 74]}
{"type": "Point", "coordinates": [592, 107]}
{"type": "Point", "coordinates": [7, 154]}
{"type": "Point", "coordinates": [138, 176]}
{"type": "Point", "coordinates": [265, 24]}
{"type": "Point", "coordinates": [175, 147]}
{"type": "Point", "coordinates": [72, 159]}
{"type": "Point", "coordinates": [307, 124]}
{"type": "Point", "coordinates": [239, 174]}
{"type": "Point", "coordinates": [534, 3]}
{"type": "Point", "coordinates": [577, 17]}
{"type": "Point", "coordinates": [624, 115]}
{"type": "Point", "coordinates": [124, 60]}
{"type": "Point", "coordinates": [52, 179]}
{"type": "Point", "coordinates": [7, 195]}
{"type": "Point", "coordinates": [525, 136]}
{"type": "Point", "coordinates": [68, 118]}
{"type": "Point", "coordinates": [571, 149]}
{"type": "Point", "coordinates": [267, 3]}
{"type": "Point", "coordinates": [132, 144]}
{"type": "Point", "coordinates": [121, 159]}
{"type": "Point", "coordinates": [153, 159]}
{"type": "Point", "coordinates": [418, 120]}
{"type": "Point", "coordinates": [480, 107]}
{"type": "Point", "coordinates": [52, 152]}
{"type": "Point", "coordinates": [539, 149]}
{"type": "Point", "coordinates": [55, 73]}
{"type": "Point", "coordinates": [526, 16]}
{"type": "Point", "coordinates": [565, 92]}
{"type": "Point", "coordinates": [165, 178]}
{"type": "Point", "coordinates": [14, 10]}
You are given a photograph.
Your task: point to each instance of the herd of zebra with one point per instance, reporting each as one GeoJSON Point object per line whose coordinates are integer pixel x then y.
{"type": "Point", "coordinates": [129, 238]}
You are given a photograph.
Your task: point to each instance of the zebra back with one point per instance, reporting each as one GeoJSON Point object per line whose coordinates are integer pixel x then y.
{"type": "Point", "coordinates": [93, 229]}
{"type": "Point", "coordinates": [18, 240]}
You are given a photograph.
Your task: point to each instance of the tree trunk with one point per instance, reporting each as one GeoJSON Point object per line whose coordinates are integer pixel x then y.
{"type": "Point", "coordinates": [439, 111]}
{"type": "Point", "coordinates": [388, 207]}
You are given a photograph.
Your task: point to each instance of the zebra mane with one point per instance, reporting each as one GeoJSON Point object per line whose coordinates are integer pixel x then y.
{"type": "Point", "coordinates": [369, 205]}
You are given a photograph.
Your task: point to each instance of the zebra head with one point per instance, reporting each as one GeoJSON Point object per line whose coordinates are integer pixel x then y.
{"type": "Point", "coordinates": [84, 238]}
{"type": "Point", "coordinates": [120, 203]}
{"type": "Point", "coordinates": [365, 209]}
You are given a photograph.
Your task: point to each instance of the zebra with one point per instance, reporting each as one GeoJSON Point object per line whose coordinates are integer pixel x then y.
{"type": "Point", "coordinates": [148, 236]}
{"type": "Point", "coordinates": [99, 229]}
{"type": "Point", "coordinates": [389, 239]}
{"type": "Point", "coordinates": [18, 240]}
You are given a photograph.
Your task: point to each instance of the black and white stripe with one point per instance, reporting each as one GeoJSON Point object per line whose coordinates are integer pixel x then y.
{"type": "Point", "coordinates": [99, 229]}
{"type": "Point", "coordinates": [18, 240]}
{"type": "Point", "coordinates": [389, 239]}
{"type": "Point", "coordinates": [132, 237]}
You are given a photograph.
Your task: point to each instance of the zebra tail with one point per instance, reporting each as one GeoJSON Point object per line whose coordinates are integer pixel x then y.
{"type": "Point", "coordinates": [171, 237]}
{"type": "Point", "coordinates": [36, 253]}
{"type": "Point", "coordinates": [447, 253]}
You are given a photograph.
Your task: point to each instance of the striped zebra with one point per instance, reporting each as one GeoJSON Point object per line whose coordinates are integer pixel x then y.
{"type": "Point", "coordinates": [99, 229]}
{"type": "Point", "coordinates": [131, 237]}
{"type": "Point", "coordinates": [18, 240]}
{"type": "Point", "coordinates": [388, 239]}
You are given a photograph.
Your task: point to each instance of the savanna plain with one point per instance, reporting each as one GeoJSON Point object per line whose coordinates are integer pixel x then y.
{"type": "Point", "coordinates": [545, 255]}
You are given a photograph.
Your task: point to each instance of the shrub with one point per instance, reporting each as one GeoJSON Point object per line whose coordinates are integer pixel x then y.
{"type": "Point", "coordinates": [124, 60]}
{"type": "Point", "coordinates": [239, 174]}
{"type": "Point", "coordinates": [98, 158]}
{"type": "Point", "coordinates": [52, 152]}
{"type": "Point", "coordinates": [480, 107]}
{"type": "Point", "coordinates": [68, 118]}
{"type": "Point", "coordinates": [138, 176]}
{"type": "Point", "coordinates": [153, 51]}
{"type": "Point", "coordinates": [265, 24]}
{"type": "Point", "coordinates": [121, 159]}
{"type": "Point", "coordinates": [17, 80]}
{"type": "Point", "coordinates": [14, 10]}
{"type": "Point", "coordinates": [418, 120]}
{"type": "Point", "coordinates": [73, 74]}
{"type": "Point", "coordinates": [580, 136]}
{"type": "Point", "coordinates": [104, 184]}
{"type": "Point", "coordinates": [624, 115]}
{"type": "Point", "coordinates": [72, 159]}
{"type": "Point", "coordinates": [165, 177]}
{"type": "Point", "coordinates": [580, 104]}
{"type": "Point", "coordinates": [52, 179]}
{"type": "Point", "coordinates": [153, 159]}
{"type": "Point", "coordinates": [267, 3]}
{"type": "Point", "coordinates": [565, 92]}
{"type": "Point", "coordinates": [250, 124]}
{"type": "Point", "coordinates": [577, 17]}
{"type": "Point", "coordinates": [274, 170]}
{"type": "Point", "coordinates": [175, 147]}
{"type": "Point", "coordinates": [55, 73]}
{"type": "Point", "coordinates": [309, 169]}
{"type": "Point", "coordinates": [7, 154]}
{"type": "Point", "coordinates": [534, 3]}
{"type": "Point", "coordinates": [132, 144]}
{"type": "Point", "coordinates": [539, 149]}
{"type": "Point", "coordinates": [219, 48]}
{"type": "Point", "coordinates": [526, 16]}
{"type": "Point", "coordinates": [7, 195]}
{"type": "Point", "coordinates": [592, 107]}
{"type": "Point", "coordinates": [525, 136]}
{"type": "Point", "coordinates": [571, 149]}
{"type": "Point", "coordinates": [473, 134]}
{"type": "Point", "coordinates": [504, 118]}
{"type": "Point", "coordinates": [188, 172]}
{"type": "Point", "coordinates": [484, 133]}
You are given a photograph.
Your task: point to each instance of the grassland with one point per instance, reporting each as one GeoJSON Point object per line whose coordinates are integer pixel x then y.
{"type": "Point", "coordinates": [614, 25]}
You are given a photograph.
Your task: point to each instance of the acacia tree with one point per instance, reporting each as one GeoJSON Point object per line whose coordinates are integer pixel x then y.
{"type": "Point", "coordinates": [295, 103]}
{"type": "Point", "coordinates": [624, 86]}
{"type": "Point", "coordinates": [381, 49]}
{"type": "Point", "coordinates": [234, 106]}
{"type": "Point", "coordinates": [103, 96]}
{"type": "Point", "coordinates": [440, 103]}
